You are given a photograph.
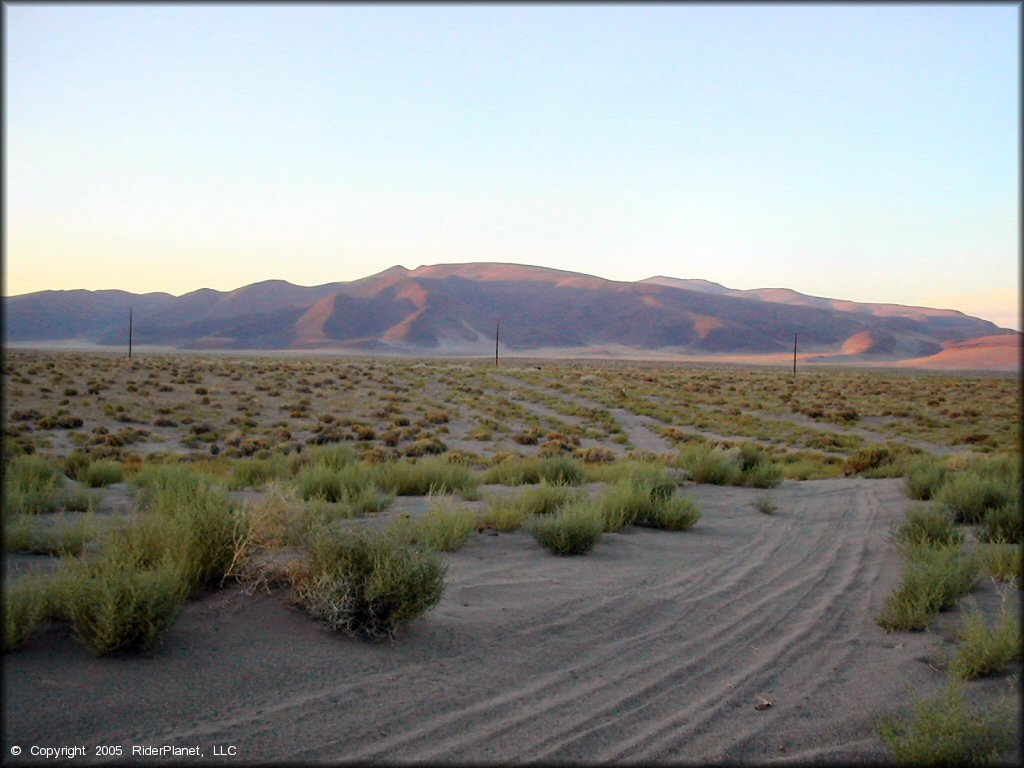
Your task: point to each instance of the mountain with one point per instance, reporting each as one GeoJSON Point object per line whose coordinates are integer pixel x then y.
{"type": "Point", "coordinates": [453, 309]}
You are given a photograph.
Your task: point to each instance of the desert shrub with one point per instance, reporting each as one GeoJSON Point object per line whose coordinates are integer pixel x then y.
{"type": "Point", "coordinates": [767, 474]}
{"type": "Point", "coordinates": [262, 529]}
{"type": "Point", "coordinates": [573, 530]}
{"type": "Point", "coordinates": [546, 498]}
{"type": "Point", "coordinates": [25, 533]}
{"type": "Point", "coordinates": [429, 475]}
{"type": "Point", "coordinates": [947, 731]}
{"type": "Point", "coordinates": [927, 524]}
{"type": "Point", "coordinates": [32, 484]}
{"type": "Point", "coordinates": [969, 495]}
{"type": "Point", "coordinates": [187, 517]}
{"type": "Point", "coordinates": [29, 605]}
{"type": "Point", "coordinates": [117, 603]}
{"type": "Point", "coordinates": [367, 583]}
{"type": "Point", "coordinates": [658, 483]}
{"type": "Point", "coordinates": [333, 457]}
{"type": "Point", "coordinates": [803, 465]}
{"type": "Point", "coordinates": [75, 463]}
{"type": "Point", "coordinates": [319, 482]}
{"type": "Point", "coordinates": [709, 465]}
{"type": "Point", "coordinates": [79, 500]}
{"type": "Point", "coordinates": [444, 527]}
{"type": "Point", "coordinates": [512, 470]}
{"type": "Point", "coordinates": [1003, 523]}
{"type": "Point", "coordinates": [1000, 560]}
{"type": "Point", "coordinates": [925, 475]}
{"type": "Point", "coordinates": [560, 471]}
{"type": "Point", "coordinates": [101, 473]}
{"type": "Point", "coordinates": [764, 504]}
{"type": "Point", "coordinates": [594, 455]}
{"type": "Point", "coordinates": [985, 650]}
{"type": "Point", "coordinates": [253, 473]}
{"type": "Point", "coordinates": [934, 578]}
{"type": "Point", "coordinates": [677, 513]}
{"type": "Point", "coordinates": [875, 461]}
{"type": "Point", "coordinates": [505, 513]}
{"type": "Point", "coordinates": [367, 498]}
{"type": "Point", "coordinates": [622, 502]}
{"type": "Point", "coordinates": [424, 446]}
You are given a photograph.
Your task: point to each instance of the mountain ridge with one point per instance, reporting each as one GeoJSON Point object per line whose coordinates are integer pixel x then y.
{"type": "Point", "coordinates": [453, 308]}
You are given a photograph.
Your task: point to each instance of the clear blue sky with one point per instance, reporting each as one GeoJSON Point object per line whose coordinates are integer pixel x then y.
{"type": "Point", "coordinates": [866, 152]}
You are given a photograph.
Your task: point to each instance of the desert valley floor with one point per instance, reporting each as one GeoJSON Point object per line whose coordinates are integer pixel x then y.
{"type": "Point", "coordinates": [750, 638]}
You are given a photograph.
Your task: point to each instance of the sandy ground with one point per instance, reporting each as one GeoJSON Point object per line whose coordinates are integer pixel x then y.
{"type": "Point", "coordinates": [655, 647]}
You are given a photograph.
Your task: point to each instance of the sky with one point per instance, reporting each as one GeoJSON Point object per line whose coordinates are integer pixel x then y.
{"type": "Point", "coordinates": [866, 152]}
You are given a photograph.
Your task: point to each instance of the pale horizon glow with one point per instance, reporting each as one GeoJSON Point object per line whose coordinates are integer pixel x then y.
{"type": "Point", "coordinates": [862, 152]}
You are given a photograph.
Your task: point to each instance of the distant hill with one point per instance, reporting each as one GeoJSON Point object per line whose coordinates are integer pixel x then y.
{"type": "Point", "coordinates": [453, 308]}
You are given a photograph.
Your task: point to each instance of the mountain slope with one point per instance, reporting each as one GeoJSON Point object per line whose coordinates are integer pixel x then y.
{"type": "Point", "coordinates": [454, 308]}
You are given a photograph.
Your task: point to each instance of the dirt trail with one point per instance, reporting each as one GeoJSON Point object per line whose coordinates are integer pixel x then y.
{"type": "Point", "coordinates": [640, 435]}
{"type": "Point", "coordinates": [655, 647]}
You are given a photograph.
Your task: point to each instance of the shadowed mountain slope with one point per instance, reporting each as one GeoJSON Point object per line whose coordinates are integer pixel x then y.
{"type": "Point", "coordinates": [454, 307]}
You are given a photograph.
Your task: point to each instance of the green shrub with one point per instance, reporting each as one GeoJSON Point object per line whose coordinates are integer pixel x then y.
{"type": "Point", "coordinates": [76, 463]}
{"type": "Point", "coordinates": [969, 495]}
{"type": "Point", "coordinates": [27, 533]}
{"type": "Point", "coordinates": [927, 525]}
{"type": "Point", "coordinates": [505, 513]}
{"type": "Point", "coordinates": [101, 473]}
{"type": "Point", "coordinates": [444, 527]}
{"type": "Point", "coordinates": [333, 457]}
{"type": "Point", "coordinates": [79, 500]}
{"type": "Point", "coordinates": [1000, 560]}
{"type": "Point", "coordinates": [424, 476]}
{"type": "Point", "coordinates": [319, 482]}
{"type": "Point", "coordinates": [1003, 523]}
{"type": "Point", "coordinates": [561, 471]}
{"type": "Point", "coordinates": [757, 467]}
{"type": "Point", "coordinates": [573, 530]}
{"type": "Point", "coordinates": [658, 483]}
{"type": "Point", "coordinates": [709, 465]}
{"type": "Point", "coordinates": [187, 517]}
{"type": "Point", "coordinates": [946, 731]}
{"type": "Point", "coordinates": [254, 473]}
{"type": "Point", "coordinates": [32, 485]}
{"type": "Point", "coordinates": [675, 514]}
{"type": "Point", "coordinates": [29, 605]}
{"type": "Point", "coordinates": [117, 603]}
{"type": "Point", "coordinates": [764, 504]}
{"type": "Point", "coordinates": [984, 650]}
{"type": "Point", "coordinates": [516, 470]}
{"type": "Point", "coordinates": [545, 498]}
{"type": "Point", "coordinates": [622, 502]}
{"type": "Point", "coordinates": [924, 477]}
{"type": "Point", "coordinates": [934, 578]}
{"type": "Point", "coordinates": [366, 583]}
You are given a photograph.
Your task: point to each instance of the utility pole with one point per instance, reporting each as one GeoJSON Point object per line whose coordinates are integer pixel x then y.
{"type": "Point", "coordinates": [497, 332]}
{"type": "Point", "coordinates": [129, 333]}
{"type": "Point", "coordinates": [794, 353]}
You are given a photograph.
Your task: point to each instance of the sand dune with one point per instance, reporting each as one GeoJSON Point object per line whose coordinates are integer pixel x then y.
{"type": "Point", "coordinates": [656, 647]}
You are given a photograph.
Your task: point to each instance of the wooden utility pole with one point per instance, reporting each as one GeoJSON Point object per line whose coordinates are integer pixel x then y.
{"type": "Point", "coordinates": [129, 333]}
{"type": "Point", "coordinates": [794, 353]}
{"type": "Point", "coordinates": [497, 332]}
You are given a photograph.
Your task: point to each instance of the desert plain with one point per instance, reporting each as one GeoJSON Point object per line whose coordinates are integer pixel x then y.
{"type": "Point", "coordinates": [751, 637]}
